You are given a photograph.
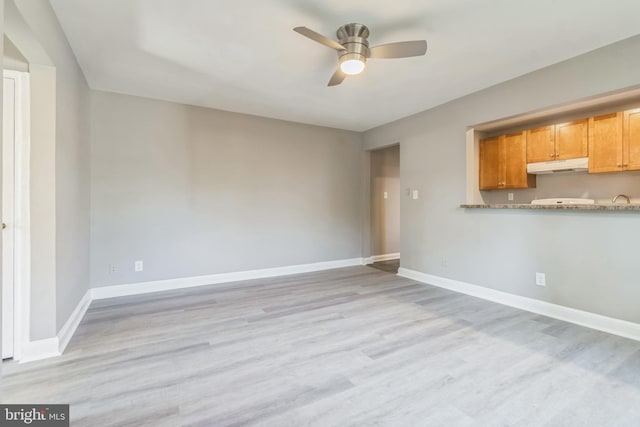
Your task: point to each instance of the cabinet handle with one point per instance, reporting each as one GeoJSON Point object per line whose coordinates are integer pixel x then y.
{"type": "Point", "coordinates": [625, 164]}
{"type": "Point", "coordinates": [552, 155]}
{"type": "Point", "coordinates": [619, 165]}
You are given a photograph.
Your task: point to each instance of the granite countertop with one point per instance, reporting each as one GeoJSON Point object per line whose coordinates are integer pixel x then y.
{"type": "Point", "coordinates": [596, 207]}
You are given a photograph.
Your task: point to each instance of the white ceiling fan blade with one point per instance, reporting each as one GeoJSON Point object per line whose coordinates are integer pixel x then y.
{"type": "Point", "coordinates": [399, 49]}
{"type": "Point", "coordinates": [337, 78]}
{"type": "Point", "coordinates": [318, 38]}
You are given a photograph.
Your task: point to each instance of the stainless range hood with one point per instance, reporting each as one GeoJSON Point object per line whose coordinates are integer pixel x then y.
{"type": "Point", "coordinates": [570, 165]}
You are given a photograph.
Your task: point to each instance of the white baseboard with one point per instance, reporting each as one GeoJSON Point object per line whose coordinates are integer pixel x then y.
{"type": "Point", "coordinates": [378, 258]}
{"type": "Point", "coordinates": [55, 346]}
{"type": "Point", "coordinates": [212, 279]}
{"type": "Point", "coordinates": [70, 326]}
{"type": "Point", "coordinates": [610, 325]}
{"type": "Point", "coordinates": [39, 349]}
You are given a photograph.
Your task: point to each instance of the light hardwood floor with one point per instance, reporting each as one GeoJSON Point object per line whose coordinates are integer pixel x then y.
{"type": "Point", "coordinates": [355, 346]}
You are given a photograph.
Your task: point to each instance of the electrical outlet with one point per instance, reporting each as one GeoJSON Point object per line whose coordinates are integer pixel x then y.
{"type": "Point", "coordinates": [415, 195]}
{"type": "Point", "coordinates": [510, 197]}
{"type": "Point", "coordinates": [112, 268]}
{"type": "Point", "coordinates": [385, 195]}
{"type": "Point", "coordinates": [138, 266]}
{"type": "Point", "coordinates": [541, 279]}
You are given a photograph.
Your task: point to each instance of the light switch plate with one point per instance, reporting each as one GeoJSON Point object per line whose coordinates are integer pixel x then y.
{"type": "Point", "coordinates": [138, 266]}
{"type": "Point", "coordinates": [385, 195]}
{"type": "Point", "coordinates": [415, 195]}
{"type": "Point", "coordinates": [541, 279]}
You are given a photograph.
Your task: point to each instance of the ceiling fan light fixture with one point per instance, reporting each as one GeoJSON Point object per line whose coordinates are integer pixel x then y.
{"type": "Point", "coordinates": [352, 64]}
{"type": "Point", "coordinates": [353, 49]}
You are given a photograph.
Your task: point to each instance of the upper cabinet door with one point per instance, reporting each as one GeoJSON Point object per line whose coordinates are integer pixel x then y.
{"type": "Point", "coordinates": [541, 145]}
{"type": "Point", "coordinates": [503, 163]}
{"type": "Point", "coordinates": [571, 139]}
{"type": "Point", "coordinates": [605, 143]}
{"type": "Point", "coordinates": [515, 161]}
{"type": "Point", "coordinates": [490, 164]}
{"type": "Point", "coordinates": [631, 140]}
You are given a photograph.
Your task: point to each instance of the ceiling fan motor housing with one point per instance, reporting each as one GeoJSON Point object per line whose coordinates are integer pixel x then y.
{"type": "Point", "coordinates": [354, 39]}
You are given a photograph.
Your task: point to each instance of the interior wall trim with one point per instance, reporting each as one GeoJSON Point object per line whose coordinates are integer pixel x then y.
{"type": "Point", "coordinates": [69, 328]}
{"type": "Point", "coordinates": [39, 349]}
{"type": "Point", "coordinates": [385, 257]}
{"type": "Point", "coordinates": [101, 292]}
{"type": "Point", "coordinates": [599, 322]}
{"type": "Point", "coordinates": [55, 346]}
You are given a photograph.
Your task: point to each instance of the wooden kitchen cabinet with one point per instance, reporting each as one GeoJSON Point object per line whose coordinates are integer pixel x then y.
{"type": "Point", "coordinates": [503, 163]}
{"type": "Point", "coordinates": [541, 144]}
{"type": "Point", "coordinates": [490, 163]}
{"type": "Point", "coordinates": [605, 143]}
{"type": "Point", "coordinates": [610, 141]}
{"type": "Point", "coordinates": [572, 139]}
{"type": "Point", "coordinates": [515, 163]}
{"type": "Point", "coordinates": [558, 142]}
{"type": "Point", "coordinates": [614, 142]}
{"type": "Point", "coordinates": [631, 140]}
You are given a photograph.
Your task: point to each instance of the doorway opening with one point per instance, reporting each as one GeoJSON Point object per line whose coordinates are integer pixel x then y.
{"type": "Point", "coordinates": [385, 208]}
{"type": "Point", "coordinates": [15, 213]}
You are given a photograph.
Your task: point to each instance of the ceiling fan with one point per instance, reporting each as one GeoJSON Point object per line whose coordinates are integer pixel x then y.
{"type": "Point", "coordinates": [353, 49]}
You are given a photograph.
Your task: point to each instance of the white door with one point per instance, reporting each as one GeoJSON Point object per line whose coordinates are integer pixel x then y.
{"type": "Point", "coordinates": [8, 215]}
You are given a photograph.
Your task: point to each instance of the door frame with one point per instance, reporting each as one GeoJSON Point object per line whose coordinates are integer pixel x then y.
{"type": "Point", "coordinates": [22, 219]}
{"type": "Point", "coordinates": [8, 214]}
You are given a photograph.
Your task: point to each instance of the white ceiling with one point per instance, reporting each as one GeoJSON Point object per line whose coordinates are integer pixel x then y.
{"type": "Point", "coordinates": [243, 56]}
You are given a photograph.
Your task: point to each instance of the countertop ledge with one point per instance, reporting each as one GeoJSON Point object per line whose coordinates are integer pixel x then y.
{"type": "Point", "coordinates": [610, 208]}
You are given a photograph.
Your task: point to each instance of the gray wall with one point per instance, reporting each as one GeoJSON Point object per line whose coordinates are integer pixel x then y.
{"type": "Point", "coordinates": [193, 191]}
{"type": "Point", "coordinates": [590, 258]}
{"type": "Point", "coordinates": [385, 213]}
{"type": "Point", "coordinates": [42, 189]}
{"type": "Point", "coordinates": [59, 169]}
